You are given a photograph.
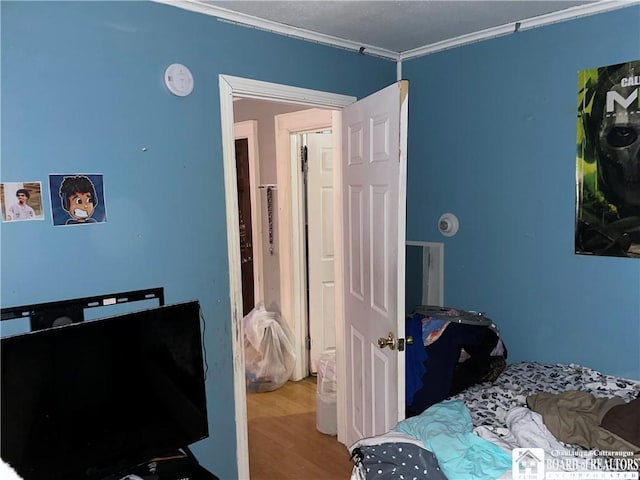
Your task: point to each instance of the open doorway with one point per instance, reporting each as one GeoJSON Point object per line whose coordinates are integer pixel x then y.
{"type": "Point", "coordinates": [373, 144]}
{"type": "Point", "coordinates": [269, 180]}
{"type": "Point", "coordinates": [291, 150]}
{"type": "Point", "coordinates": [298, 140]}
{"type": "Point", "coordinates": [309, 145]}
{"type": "Point", "coordinates": [304, 146]}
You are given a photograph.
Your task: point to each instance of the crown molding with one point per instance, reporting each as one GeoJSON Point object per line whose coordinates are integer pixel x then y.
{"type": "Point", "coordinates": [514, 27]}
{"type": "Point", "coordinates": [279, 28]}
{"type": "Point", "coordinates": [245, 20]}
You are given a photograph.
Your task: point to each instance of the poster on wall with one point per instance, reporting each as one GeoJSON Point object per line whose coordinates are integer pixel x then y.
{"type": "Point", "coordinates": [21, 201]}
{"type": "Point", "coordinates": [608, 161]}
{"type": "Point", "coordinates": [77, 199]}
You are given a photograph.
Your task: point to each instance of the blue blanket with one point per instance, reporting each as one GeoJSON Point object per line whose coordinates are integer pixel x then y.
{"type": "Point", "coordinates": [446, 430]}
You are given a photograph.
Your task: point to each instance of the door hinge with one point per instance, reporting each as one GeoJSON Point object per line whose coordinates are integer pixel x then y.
{"type": "Point", "coordinates": [307, 343]}
{"type": "Point", "coordinates": [304, 157]}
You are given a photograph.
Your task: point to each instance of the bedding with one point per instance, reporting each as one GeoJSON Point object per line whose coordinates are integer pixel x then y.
{"type": "Point", "coordinates": [490, 402]}
{"type": "Point", "coordinates": [472, 434]}
{"type": "Point", "coordinates": [459, 349]}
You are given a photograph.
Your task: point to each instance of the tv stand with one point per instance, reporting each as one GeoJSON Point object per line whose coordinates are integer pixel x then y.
{"type": "Point", "coordinates": [181, 465]}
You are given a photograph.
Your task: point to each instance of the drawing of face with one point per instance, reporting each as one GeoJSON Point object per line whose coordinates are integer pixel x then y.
{"type": "Point", "coordinates": [80, 206]}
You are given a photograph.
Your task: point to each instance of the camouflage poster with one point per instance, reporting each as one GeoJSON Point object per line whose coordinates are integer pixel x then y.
{"type": "Point", "coordinates": [608, 161]}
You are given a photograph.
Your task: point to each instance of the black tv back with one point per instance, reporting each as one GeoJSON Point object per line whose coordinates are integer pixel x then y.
{"type": "Point", "coordinates": [94, 399]}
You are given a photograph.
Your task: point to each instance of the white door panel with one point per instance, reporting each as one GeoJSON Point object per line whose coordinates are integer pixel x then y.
{"type": "Point", "coordinates": [294, 306]}
{"type": "Point", "coordinates": [322, 314]}
{"type": "Point", "coordinates": [373, 171]}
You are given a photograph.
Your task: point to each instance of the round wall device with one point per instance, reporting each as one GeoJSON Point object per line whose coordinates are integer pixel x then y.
{"type": "Point", "coordinates": [448, 224]}
{"type": "Point", "coordinates": [178, 79]}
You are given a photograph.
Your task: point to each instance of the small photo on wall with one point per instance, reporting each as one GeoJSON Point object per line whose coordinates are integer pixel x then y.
{"type": "Point", "coordinates": [21, 201]}
{"type": "Point", "coordinates": [77, 199]}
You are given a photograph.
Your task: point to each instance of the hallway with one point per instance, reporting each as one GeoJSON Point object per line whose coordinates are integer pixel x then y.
{"type": "Point", "coordinates": [284, 443]}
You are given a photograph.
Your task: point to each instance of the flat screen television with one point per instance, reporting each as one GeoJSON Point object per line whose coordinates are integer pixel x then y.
{"type": "Point", "coordinates": [94, 399]}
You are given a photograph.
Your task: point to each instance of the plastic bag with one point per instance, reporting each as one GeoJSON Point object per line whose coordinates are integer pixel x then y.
{"type": "Point", "coordinates": [326, 380]}
{"type": "Point", "coordinates": [326, 394]}
{"type": "Point", "coordinates": [269, 355]}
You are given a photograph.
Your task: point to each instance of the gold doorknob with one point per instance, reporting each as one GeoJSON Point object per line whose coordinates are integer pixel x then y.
{"type": "Point", "coordinates": [390, 341]}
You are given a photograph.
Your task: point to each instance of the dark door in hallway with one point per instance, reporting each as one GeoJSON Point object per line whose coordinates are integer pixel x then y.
{"type": "Point", "coordinates": [244, 215]}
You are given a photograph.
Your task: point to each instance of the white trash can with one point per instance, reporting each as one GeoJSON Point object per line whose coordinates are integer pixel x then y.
{"type": "Point", "coordinates": [326, 394]}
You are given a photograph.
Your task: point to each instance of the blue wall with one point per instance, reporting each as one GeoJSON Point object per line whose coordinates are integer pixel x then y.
{"type": "Point", "coordinates": [492, 135]}
{"type": "Point", "coordinates": [491, 138]}
{"type": "Point", "coordinates": [82, 92]}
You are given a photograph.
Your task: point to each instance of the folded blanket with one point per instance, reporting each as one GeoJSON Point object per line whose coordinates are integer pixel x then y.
{"type": "Point", "coordinates": [446, 430]}
{"type": "Point", "coordinates": [624, 421]}
{"type": "Point", "coordinates": [574, 417]}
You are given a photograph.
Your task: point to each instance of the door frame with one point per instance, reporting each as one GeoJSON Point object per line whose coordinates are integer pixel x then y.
{"type": "Point", "coordinates": [291, 232]}
{"type": "Point", "coordinates": [231, 87]}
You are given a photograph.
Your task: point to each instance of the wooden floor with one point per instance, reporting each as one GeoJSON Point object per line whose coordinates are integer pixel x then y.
{"type": "Point", "coordinates": [284, 443]}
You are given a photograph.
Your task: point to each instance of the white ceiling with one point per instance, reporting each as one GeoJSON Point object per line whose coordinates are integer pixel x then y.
{"type": "Point", "coordinates": [398, 29]}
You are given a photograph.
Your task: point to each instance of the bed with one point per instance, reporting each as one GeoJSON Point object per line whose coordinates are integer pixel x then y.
{"type": "Point", "coordinates": [532, 418]}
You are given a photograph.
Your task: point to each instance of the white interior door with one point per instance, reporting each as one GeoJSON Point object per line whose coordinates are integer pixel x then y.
{"type": "Point", "coordinates": [291, 234]}
{"type": "Point", "coordinates": [322, 309]}
{"type": "Point", "coordinates": [374, 217]}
